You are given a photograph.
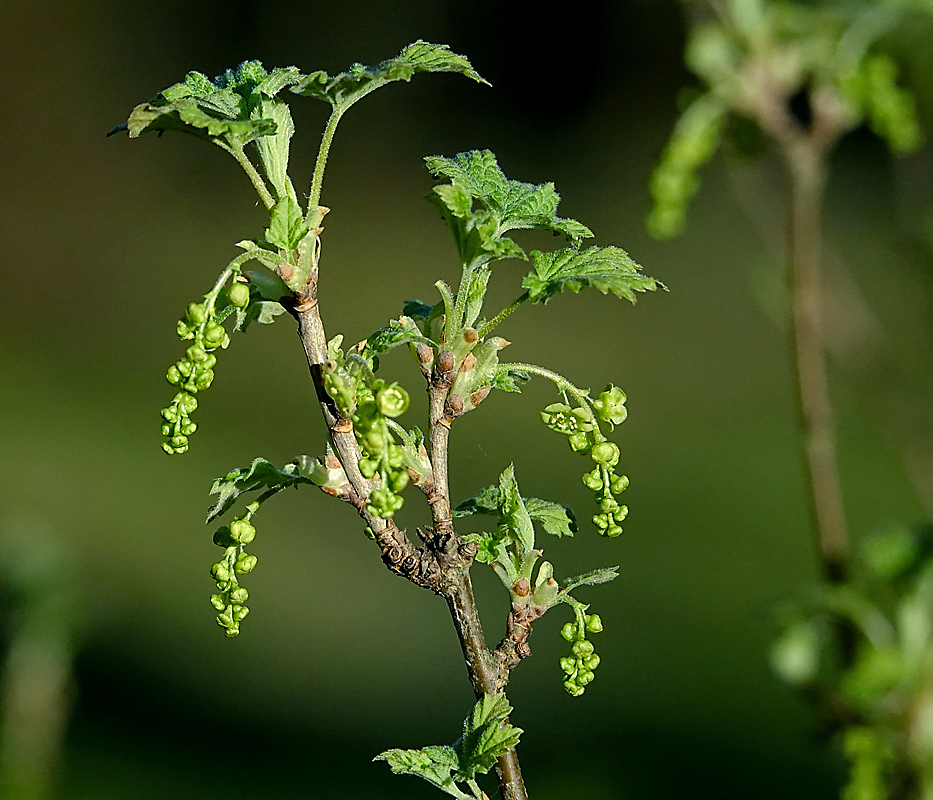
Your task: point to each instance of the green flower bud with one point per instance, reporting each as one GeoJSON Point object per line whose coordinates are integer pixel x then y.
{"type": "Point", "coordinates": [567, 664]}
{"type": "Point", "coordinates": [392, 400]}
{"type": "Point", "coordinates": [238, 294]}
{"type": "Point", "coordinates": [605, 453]}
{"type": "Point", "coordinates": [179, 441]}
{"type": "Point", "coordinates": [368, 467]}
{"type": "Point", "coordinates": [580, 441]}
{"type": "Point", "coordinates": [395, 456]}
{"type": "Point", "coordinates": [398, 481]}
{"type": "Point", "coordinates": [572, 689]}
{"type": "Point", "coordinates": [186, 402]}
{"type": "Point", "coordinates": [220, 571]}
{"type": "Point", "coordinates": [610, 405]}
{"type": "Point", "coordinates": [239, 595]}
{"type": "Point", "coordinates": [242, 531]}
{"type": "Point", "coordinates": [231, 631]}
{"type": "Point", "coordinates": [569, 631]}
{"type": "Point", "coordinates": [582, 648]}
{"type": "Point", "coordinates": [204, 379]}
{"type": "Point", "coordinates": [593, 480]}
{"type": "Point", "coordinates": [214, 334]}
{"type": "Point", "coordinates": [196, 353]}
{"type": "Point", "coordinates": [619, 484]}
{"type": "Point", "coordinates": [168, 448]}
{"type": "Point", "coordinates": [182, 449]}
{"type": "Point", "coordinates": [197, 313]}
{"type": "Point", "coordinates": [170, 414]}
{"type": "Point", "coordinates": [184, 330]}
{"type": "Point", "coordinates": [593, 623]}
{"type": "Point", "coordinates": [184, 368]}
{"type": "Point", "coordinates": [222, 537]}
{"type": "Point", "coordinates": [245, 563]}
{"type": "Point", "coordinates": [240, 612]}
{"type": "Point", "coordinates": [584, 676]}
{"type": "Point", "coordinates": [166, 429]}
{"type": "Point", "coordinates": [189, 427]}
{"type": "Point", "coordinates": [217, 600]}
{"type": "Point", "coordinates": [612, 531]}
{"type": "Point", "coordinates": [591, 662]}
{"type": "Point", "coordinates": [173, 376]}
{"type": "Point", "coordinates": [226, 617]}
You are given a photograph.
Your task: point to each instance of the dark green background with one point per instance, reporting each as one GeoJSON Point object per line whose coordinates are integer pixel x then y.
{"type": "Point", "coordinates": [104, 241]}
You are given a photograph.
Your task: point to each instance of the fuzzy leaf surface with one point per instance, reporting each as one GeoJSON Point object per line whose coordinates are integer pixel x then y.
{"type": "Point", "coordinates": [486, 735]}
{"type": "Point", "coordinates": [609, 269]}
{"type": "Point", "coordinates": [593, 578]}
{"type": "Point", "coordinates": [420, 56]}
{"type": "Point", "coordinates": [435, 764]}
{"type": "Point", "coordinates": [261, 474]}
{"type": "Point", "coordinates": [397, 332]}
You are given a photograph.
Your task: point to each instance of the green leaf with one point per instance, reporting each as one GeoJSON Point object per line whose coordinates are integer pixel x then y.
{"type": "Point", "coordinates": [435, 764]}
{"type": "Point", "coordinates": [416, 309]}
{"type": "Point", "coordinates": [287, 225]}
{"type": "Point", "coordinates": [514, 514]}
{"type": "Point", "coordinates": [508, 377]}
{"type": "Point", "coordinates": [397, 332]}
{"type": "Point", "coordinates": [484, 502]}
{"type": "Point", "coordinates": [593, 578]}
{"type": "Point", "coordinates": [475, 294]}
{"type": "Point", "coordinates": [556, 519]}
{"type": "Point", "coordinates": [261, 474]}
{"type": "Point", "coordinates": [512, 204]}
{"type": "Point", "coordinates": [486, 736]}
{"type": "Point", "coordinates": [609, 269]}
{"type": "Point", "coordinates": [345, 88]}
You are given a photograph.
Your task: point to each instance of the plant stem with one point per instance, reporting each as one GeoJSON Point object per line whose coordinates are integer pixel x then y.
{"type": "Point", "coordinates": [502, 314]}
{"type": "Point", "coordinates": [485, 676]}
{"type": "Point", "coordinates": [265, 195]}
{"type": "Point", "coordinates": [806, 163]}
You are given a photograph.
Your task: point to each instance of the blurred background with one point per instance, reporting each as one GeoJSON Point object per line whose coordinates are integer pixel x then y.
{"type": "Point", "coordinates": [107, 633]}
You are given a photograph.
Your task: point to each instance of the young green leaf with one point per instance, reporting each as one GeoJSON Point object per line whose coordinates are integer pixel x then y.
{"type": "Point", "coordinates": [609, 269]}
{"type": "Point", "coordinates": [486, 735]}
{"type": "Point", "coordinates": [556, 519]}
{"type": "Point", "coordinates": [508, 377]}
{"type": "Point", "coordinates": [397, 332]}
{"type": "Point", "coordinates": [513, 204]}
{"type": "Point", "coordinates": [435, 764]}
{"type": "Point", "coordinates": [287, 225]}
{"type": "Point", "coordinates": [345, 88]}
{"type": "Point", "coordinates": [593, 578]}
{"type": "Point", "coordinates": [261, 474]}
{"type": "Point", "coordinates": [514, 514]}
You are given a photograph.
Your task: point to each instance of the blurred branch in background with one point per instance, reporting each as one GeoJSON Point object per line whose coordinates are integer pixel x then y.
{"type": "Point", "coordinates": [39, 602]}
{"type": "Point", "coordinates": [800, 76]}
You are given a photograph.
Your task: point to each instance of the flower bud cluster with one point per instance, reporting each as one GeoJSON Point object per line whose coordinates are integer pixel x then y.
{"type": "Point", "coordinates": [369, 401]}
{"type": "Point", "coordinates": [580, 427]}
{"type": "Point", "coordinates": [195, 371]}
{"type": "Point", "coordinates": [579, 666]}
{"type": "Point", "coordinates": [230, 599]}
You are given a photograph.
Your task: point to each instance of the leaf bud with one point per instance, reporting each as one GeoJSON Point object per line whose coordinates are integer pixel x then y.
{"type": "Point", "coordinates": [479, 395]}
{"type": "Point", "coordinates": [424, 353]}
{"type": "Point", "coordinates": [470, 336]}
{"type": "Point", "coordinates": [238, 294]}
{"type": "Point", "coordinates": [522, 587]}
{"type": "Point", "coordinates": [445, 361]}
{"type": "Point", "coordinates": [245, 563]}
{"type": "Point", "coordinates": [455, 405]}
{"type": "Point", "coordinates": [468, 364]}
{"type": "Point", "coordinates": [242, 531]}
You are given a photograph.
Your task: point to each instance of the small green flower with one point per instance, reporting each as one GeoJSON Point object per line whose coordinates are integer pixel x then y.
{"type": "Point", "coordinates": [610, 405]}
